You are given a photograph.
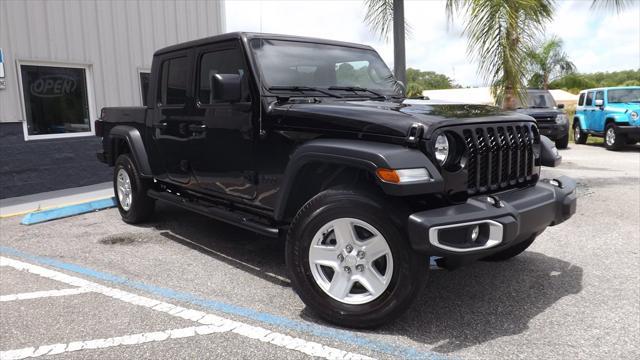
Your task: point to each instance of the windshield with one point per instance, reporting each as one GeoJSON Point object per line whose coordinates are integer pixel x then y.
{"type": "Point", "coordinates": [624, 96]}
{"type": "Point", "coordinates": [284, 63]}
{"type": "Point", "coordinates": [538, 100]}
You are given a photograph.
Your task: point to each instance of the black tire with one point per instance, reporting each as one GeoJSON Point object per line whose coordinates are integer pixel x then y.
{"type": "Point", "coordinates": [563, 142]}
{"type": "Point", "coordinates": [511, 252]}
{"type": "Point", "coordinates": [618, 141]}
{"type": "Point", "coordinates": [142, 206]}
{"type": "Point", "coordinates": [579, 136]}
{"type": "Point", "coordinates": [409, 268]}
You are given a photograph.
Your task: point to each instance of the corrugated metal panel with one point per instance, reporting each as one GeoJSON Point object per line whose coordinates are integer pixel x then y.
{"type": "Point", "coordinates": [116, 38]}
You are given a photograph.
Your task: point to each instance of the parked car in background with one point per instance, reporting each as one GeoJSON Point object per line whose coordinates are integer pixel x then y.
{"type": "Point", "coordinates": [551, 118]}
{"type": "Point", "coordinates": [612, 113]}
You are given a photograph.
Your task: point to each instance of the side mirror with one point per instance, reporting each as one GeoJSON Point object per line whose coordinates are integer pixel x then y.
{"type": "Point", "coordinates": [226, 87]}
{"type": "Point", "coordinates": [599, 102]}
{"type": "Point", "coordinates": [549, 155]}
{"type": "Point", "coordinates": [560, 106]}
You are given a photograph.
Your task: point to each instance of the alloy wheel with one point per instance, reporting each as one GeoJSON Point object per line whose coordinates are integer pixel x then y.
{"type": "Point", "coordinates": [125, 196]}
{"type": "Point", "coordinates": [351, 261]}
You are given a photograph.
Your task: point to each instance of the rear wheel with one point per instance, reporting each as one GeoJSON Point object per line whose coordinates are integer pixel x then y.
{"type": "Point", "coordinates": [511, 252]}
{"type": "Point", "coordinates": [612, 139]}
{"type": "Point", "coordinates": [579, 136]}
{"type": "Point", "coordinates": [349, 262]}
{"type": "Point", "coordinates": [131, 191]}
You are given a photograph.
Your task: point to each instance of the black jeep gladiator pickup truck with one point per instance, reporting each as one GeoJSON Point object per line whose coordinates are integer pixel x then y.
{"type": "Point", "coordinates": [314, 140]}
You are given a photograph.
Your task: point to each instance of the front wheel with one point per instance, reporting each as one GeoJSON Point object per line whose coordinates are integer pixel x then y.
{"type": "Point", "coordinates": [579, 136]}
{"type": "Point", "coordinates": [349, 262]}
{"type": "Point", "coordinates": [563, 142]}
{"type": "Point", "coordinates": [612, 139]}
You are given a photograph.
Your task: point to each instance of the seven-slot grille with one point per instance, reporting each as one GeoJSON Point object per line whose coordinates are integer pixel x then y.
{"type": "Point", "coordinates": [499, 156]}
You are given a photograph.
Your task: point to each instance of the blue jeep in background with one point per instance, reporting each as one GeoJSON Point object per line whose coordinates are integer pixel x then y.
{"type": "Point", "coordinates": [612, 113]}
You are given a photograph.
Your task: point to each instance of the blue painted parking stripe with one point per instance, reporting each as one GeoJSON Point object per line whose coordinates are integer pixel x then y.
{"type": "Point", "coordinates": [66, 211]}
{"type": "Point", "coordinates": [405, 352]}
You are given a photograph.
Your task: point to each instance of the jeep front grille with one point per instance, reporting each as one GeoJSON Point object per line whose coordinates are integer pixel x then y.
{"type": "Point", "coordinates": [498, 157]}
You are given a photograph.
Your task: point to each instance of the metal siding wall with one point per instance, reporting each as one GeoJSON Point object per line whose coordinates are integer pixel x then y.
{"type": "Point", "coordinates": [116, 38]}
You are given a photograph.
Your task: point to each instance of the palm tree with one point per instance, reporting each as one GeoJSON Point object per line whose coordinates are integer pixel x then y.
{"type": "Point", "coordinates": [547, 62]}
{"type": "Point", "coordinates": [617, 5]}
{"type": "Point", "coordinates": [382, 16]}
{"type": "Point", "coordinates": [499, 35]}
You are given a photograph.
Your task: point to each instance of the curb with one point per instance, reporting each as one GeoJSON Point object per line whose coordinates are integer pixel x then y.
{"type": "Point", "coordinates": [37, 217]}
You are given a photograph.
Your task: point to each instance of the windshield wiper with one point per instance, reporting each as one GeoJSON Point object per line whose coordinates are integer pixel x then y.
{"type": "Point", "coordinates": [303, 88]}
{"type": "Point", "coordinates": [355, 89]}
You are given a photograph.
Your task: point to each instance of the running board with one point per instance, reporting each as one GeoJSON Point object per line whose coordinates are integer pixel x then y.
{"type": "Point", "coordinates": [217, 213]}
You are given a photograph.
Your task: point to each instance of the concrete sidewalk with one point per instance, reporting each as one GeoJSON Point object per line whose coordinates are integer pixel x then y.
{"type": "Point", "coordinates": [53, 199]}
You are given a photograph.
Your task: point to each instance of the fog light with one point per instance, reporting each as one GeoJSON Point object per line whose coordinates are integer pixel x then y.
{"type": "Point", "coordinates": [475, 232]}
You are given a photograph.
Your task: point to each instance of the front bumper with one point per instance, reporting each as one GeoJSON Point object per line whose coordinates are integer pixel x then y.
{"type": "Point", "coordinates": [553, 131]}
{"type": "Point", "coordinates": [515, 216]}
{"type": "Point", "coordinates": [633, 131]}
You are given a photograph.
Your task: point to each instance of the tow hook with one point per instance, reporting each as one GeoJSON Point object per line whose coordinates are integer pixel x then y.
{"type": "Point", "coordinates": [493, 200]}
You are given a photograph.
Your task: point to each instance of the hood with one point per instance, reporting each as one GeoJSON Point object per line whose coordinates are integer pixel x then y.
{"type": "Point", "coordinates": [541, 114]}
{"type": "Point", "coordinates": [387, 117]}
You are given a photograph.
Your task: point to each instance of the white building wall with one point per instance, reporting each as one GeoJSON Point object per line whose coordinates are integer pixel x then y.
{"type": "Point", "coordinates": [115, 38]}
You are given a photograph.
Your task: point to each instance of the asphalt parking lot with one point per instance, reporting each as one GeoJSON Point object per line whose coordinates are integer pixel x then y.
{"type": "Point", "coordinates": [185, 286]}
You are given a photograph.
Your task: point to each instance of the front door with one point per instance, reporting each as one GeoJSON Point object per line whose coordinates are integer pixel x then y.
{"type": "Point", "coordinates": [223, 162]}
{"type": "Point", "coordinates": [589, 109]}
{"type": "Point", "coordinates": [171, 120]}
{"type": "Point", "coordinates": [597, 119]}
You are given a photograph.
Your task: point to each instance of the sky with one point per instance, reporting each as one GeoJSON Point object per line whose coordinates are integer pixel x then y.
{"type": "Point", "coordinates": [594, 40]}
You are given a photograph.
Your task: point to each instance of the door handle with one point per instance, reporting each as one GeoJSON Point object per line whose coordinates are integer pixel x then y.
{"type": "Point", "coordinates": [161, 126]}
{"type": "Point", "coordinates": [197, 127]}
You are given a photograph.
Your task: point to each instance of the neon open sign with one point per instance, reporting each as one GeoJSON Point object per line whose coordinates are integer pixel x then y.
{"type": "Point", "coordinates": [53, 86]}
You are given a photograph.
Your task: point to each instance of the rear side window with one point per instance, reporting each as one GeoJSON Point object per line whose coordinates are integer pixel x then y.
{"type": "Point", "coordinates": [173, 89]}
{"type": "Point", "coordinates": [228, 61]}
{"type": "Point", "coordinates": [589, 99]}
{"type": "Point", "coordinates": [581, 99]}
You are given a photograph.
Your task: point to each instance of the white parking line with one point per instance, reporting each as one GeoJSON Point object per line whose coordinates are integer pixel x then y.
{"type": "Point", "coordinates": [213, 323]}
{"type": "Point", "coordinates": [43, 294]}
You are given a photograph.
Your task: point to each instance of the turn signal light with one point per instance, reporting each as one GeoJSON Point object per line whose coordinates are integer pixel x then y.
{"type": "Point", "coordinates": [388, 175]}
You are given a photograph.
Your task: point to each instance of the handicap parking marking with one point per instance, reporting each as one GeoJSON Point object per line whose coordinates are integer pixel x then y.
{"type": "Point", "coordinates": [43, 294]}
{"type": "Point", "coordinates": [209, 323]}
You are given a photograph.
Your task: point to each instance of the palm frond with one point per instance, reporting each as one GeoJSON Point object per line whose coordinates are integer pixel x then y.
{"type": "Point", "coordinates": [615, 5]}
{"type": "Point", "coordinates": [379, 17]}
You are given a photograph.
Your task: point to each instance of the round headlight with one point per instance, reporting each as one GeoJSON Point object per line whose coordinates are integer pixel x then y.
{"type": "Point", "coordinates": [441, 149]}
{"type": "Point", "coordinates": [634, 115]}
{"type": "Point", "coordinates": [561, 119]}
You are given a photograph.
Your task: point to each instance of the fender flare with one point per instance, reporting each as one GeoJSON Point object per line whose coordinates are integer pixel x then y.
{"type": "Point", "coordinates": [133, 138]}
{"type": "Point", "coordinates": [580, 118]}
{"type": "Point", "coordinates": [364, 155]}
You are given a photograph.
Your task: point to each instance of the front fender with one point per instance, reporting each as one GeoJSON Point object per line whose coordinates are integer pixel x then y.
{"type": "Point", "coordinates": [364, 155]}
{"type": "Point", "coordinates": [581, 120]}
{"type": "Point", "coordinates": [134, 140]}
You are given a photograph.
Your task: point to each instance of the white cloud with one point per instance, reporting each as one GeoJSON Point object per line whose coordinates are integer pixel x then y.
{"type": "Point", "coordinates": [594, 40]}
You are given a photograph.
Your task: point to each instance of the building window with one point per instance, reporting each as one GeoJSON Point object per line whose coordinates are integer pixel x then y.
{"type": "Point", "coordinates": [56, 100]}
{"type": "Point", "coordinates": [144, 86]}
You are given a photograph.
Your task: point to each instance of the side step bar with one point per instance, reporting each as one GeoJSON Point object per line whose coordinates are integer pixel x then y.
{"type": "Point", "coordinates": [217, 213]}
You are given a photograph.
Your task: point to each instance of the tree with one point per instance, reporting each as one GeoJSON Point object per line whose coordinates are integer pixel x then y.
{"type": "Point", "coordinates": [547, 62]}
{"type": "Point", "coordinates": [499, 35]}
{"type": "Point", "coordinates": [427, 80]}
{"type": "Point", "coordinates": [616, 5]}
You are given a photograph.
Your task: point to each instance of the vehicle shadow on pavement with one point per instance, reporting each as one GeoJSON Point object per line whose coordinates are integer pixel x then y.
{"type": "Point", "coordinates": [457, 309]}
{"type": "Point", "coordinates": [257, 255]}
{"type": "Point", "coordinates": [486, 301]}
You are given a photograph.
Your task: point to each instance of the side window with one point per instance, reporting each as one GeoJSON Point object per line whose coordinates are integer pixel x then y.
{"type": "Point", "coordinates": [174, 75]}
{"type": "Point", "coordinates": [581, 99]}
{"type": "Point", "coordinates": [600, 95]}
{"type": "Point", "coordinates": [589, 99]}
{"type": "Point", "coordinates": [221, 62]}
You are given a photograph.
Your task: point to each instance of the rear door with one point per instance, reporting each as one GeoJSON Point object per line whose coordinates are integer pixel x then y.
{"type": "Point", "coordinates": [222, 160]}
{"type": "Point", "coordinates": [172, 113]}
